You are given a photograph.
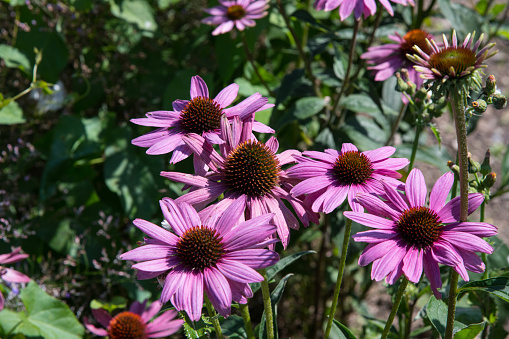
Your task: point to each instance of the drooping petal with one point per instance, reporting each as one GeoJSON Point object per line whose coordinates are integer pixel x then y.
{"type": "Point", "coordinates": [218, 290]}
{"type": "Point", "coordinates": [451, 211]}
{"type": "Point", "coordinates": [412, 264]}
{"type": "Point", "coordinates": [432, 271]}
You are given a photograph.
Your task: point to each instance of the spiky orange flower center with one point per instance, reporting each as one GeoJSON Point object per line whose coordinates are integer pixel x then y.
{"type": "Point", "coordinates": [127, 325]}
{"type": "Point", "coordinates": [235, 12]}
{"type": "Point", "coordinates": [352, 167]}
{"type": "Point", "coordinates": [419, 226]}
{"type": "Point", "coordinates": [252, 169]}
{"type": "Point", "coordinates": [459, 58]}
{"type": "Point", "coordinates": [200, 115]}
{"type": "Point", "coordinates": [200, 247]}
{"type": "Point", "coordinates": [415, 37]}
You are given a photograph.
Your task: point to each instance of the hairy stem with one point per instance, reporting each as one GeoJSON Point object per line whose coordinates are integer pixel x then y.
{"type": "Point", "coordinates": [267, 304]}
{"type": "Point", "coordinates": [396, 123]}
{"type": "Point", "coordinates": [215, 321]}
{"type": "Point", "coordinates": [395, 307]}
{"type": "Point", "coordinates": [342, 263]}
{"type": "Point", "coordinates": [244, 309]}
{"type": "Point", "coordinates": [418, 129]}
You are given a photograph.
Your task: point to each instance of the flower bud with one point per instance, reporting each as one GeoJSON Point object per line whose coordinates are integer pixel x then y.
{"type": "Point", "coordinates": [489, 180]}
{"type": "Point", "coordinates": [480, 106]}
{"type": "Point", "coordinates": [401, 85]}
{"type": "Point", "coordinates": [491, 85]}
{"type": "Point", "coordinates": [499, 101]}
{"type": "Point", "coordinates": [473, 166]}
{"type": "Point", "coordinates": [485, 166]}
{"type": "Point", "coordinates": [454, 168]}
{"type": "Point", "coordinates": [473, 183]}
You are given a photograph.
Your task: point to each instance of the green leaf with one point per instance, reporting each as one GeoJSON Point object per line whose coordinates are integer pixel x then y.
{"type": "Point", "coordinates": [436, 311]}
{"type": "Point", "coordinates": [436, 132]}
{"type": "Point", "coordinates": [233, 327]}
{"type": "Point", "coordinates": [45, 317]}
{"type": "Point", "coordinates": [470, 332]}
{"type": "Point", "coordinates": [13, 58]}
{"type": "Point", "coordinates": [137, 12]}
{"type": "Point", "coordinates": [505, 168]}
{"type": "Point", "coordinates": [116, 302]}
{"type": "Point", "coordinates": [496, 286]}
{"type": "Point", "coordinates": [11, 114]}
{"type": "Point", "coordinates": [307, 107]}
{"type": "Point", "coordinates": [340, 331]}
{"type": "Point", "coordinates": [273, 270]}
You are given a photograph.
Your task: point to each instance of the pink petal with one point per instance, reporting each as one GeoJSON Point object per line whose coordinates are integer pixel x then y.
{"type": "Point", "coordinates": [198, 87]}
{"type": "Point", "coordinates": [231, 215]}
{"type": "Point", "coordinates": [102, 316]}
{"type": "Point", "coordinates": [451, 211]}
{"type": "Point", "coordinates": [412, 264]}
{"type": "Point", "coordinates": [467, 241]}
{"type": "Point", "coordinates": [376, 251]}
{"type": "Point", "coordinates": [389, 261]}
{"type": "Point", "coordinates": [480, 229]}
{"type": "Point", "coordinates": [348, 147]}
{"type": "Point", "coordinates": [254, 258]}
{"type": "Point", "coordinates": [97, 331]}
{"type": "Point", "coordinates": [188, 179]}
{"type": "Point", "coordinates": [189, 214]}
{"type": "Point", "coordinates": [440, 191]}
{"type": "Point", "coordinates": [173, 216]}
{"type": "Point", "coordinates": [236, 271]}
{"type": "Point", "coordinates": [379, 153]}
{"type": "Point", "coordinates": [148, 252]}
{"type": "Point", "coordinates": [415, 188]}
{"type": "Point", "coordinates": [157, 265]}
{"type": "Point", "coordinates": [218, 290]}
{"type": "Point", "coordinates": [432, 271]}
{"type": "Point", "coordinates": [370, 220]}
{"type": "Point", "coordinates": [376, 206]}
{"type": "Point", "coordinates": [227, 95]}
{"type": "Point", "coordinates": [374, 236]}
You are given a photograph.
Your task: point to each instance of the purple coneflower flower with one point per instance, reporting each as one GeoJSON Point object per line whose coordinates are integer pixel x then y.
{"type": "Point", "coordinates": [135, 323]}
{"type": "Point", "coordinates": [451, 61]}
{"type": "Point", "coordinates": [390, 58]}
{"type": "Point", "coordinates": [359, 7]}
{"type": "Point", "coordinates": [334, 176]}
{"type": "Point", "coordinates": [410, 237]}
{"type": "Point", "coordinates": [217, 255]}
{"type": "Point", "coordinates": [201, 115]}
{"type": "Point", "coordinates": [235, 13]}
{"type": "Point", "coordinates": [10, 275]}
{"type": "Point", "coordinates": [248, 170]}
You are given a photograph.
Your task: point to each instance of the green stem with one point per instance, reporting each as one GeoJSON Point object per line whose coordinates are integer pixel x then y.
{"type": "Point", "coordinates": [215, 321]}
{"type": "Point", "coordinates": [484, 256]}
{"type": "Point", "coordinates": [251, 60]}
{"type": "Point", "coordinates": [244, 309]}
{"type": "Point", "coordinates": [267, 304]}
{"type": "Point", "coordinates": [395, 307]}
{"type": "Point", "coordinates": [418, 129]}
{"type": "Point", "coordinates": [342, 263]}
{"type": "Point", "coordinates": [458, 100]}
{"type": "Point", "coordinates": [451, 311]}
{"type": "Point", "coordinates": [396, 123]}
{"type": "Point", "coordinates": [348, 68]}
{"type": "Point", "coordinates": [300, 49]}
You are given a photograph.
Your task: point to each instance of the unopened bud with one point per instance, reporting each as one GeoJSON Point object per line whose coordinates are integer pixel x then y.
{"type": "Point", "coordinates": [454, 168]}
{"type": "Point", "coordinates": [473, 166]}
{"type": "Point", "coordinates": [489, 180]}
{"type": "Point", "coordinates": [401, 85]}
{"type": "Point", "coordinates": [480, 106]}
{"type": "Point", "coordinates": [473, 183]}
{"type": "Point", "coordinates": [485, 166]}
{"type": "Point", "coordinates": [499, 101]}
{"type": "Point", "coordinates": [491, 85]}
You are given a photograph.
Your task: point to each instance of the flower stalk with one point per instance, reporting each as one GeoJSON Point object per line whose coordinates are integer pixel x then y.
{"type": "Point", "coordinates": [395, 306]}
{"type": "Point", "coordinates": [267, 304]}
{"type": "Point", "coordinates": [244, 310]}
{"type": "Point", "coordinates": [213, 318]}
{"type": "Point", "coordinates": [458, 100]}
{"type": "Point", "coordinates": [342, 263]}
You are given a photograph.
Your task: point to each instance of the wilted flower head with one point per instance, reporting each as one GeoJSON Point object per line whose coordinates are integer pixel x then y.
{"type": "Point", "coordinates": [451, 61]}
{"type": "Point", "coordinates": [331, 177]}
{"type": "Point", "coordinates": [235, 13]}
{"type": "Point", "coordinates": [410, 237]}
{"type": "Point", "coordinates": [8, 274]}
{"type": "Point", "coordinates": [359, 7]}
{"type": "Point", "coordinates": [135, 323]}
{"type": "Point", "coordinates": [389, 58]}
{"type": "Point", "coordinates": [247, 170]}
{"type": "Point", "coordinates": [217, 255]}
{"type": "Point", "coordinates": [201, 115]}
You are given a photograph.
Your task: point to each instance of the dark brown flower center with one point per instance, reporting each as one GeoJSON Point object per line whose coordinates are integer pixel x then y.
{"type": "Point", "coordinates": [419, 226]}
{"type": "Point", "coordinates": [352, 167]}
{"type": "Point", "coordinates": [235, 12]}
{"type": "Point", "coordinates": [200, 115]}
{"type": "Point", "coordinates": [127, 325]}
{"type": "Point", "coordinates": [415, 37]}
{"type": "Point", "coordinates": [200, 247]}
{"type": "Point", "coordinates": [252, 169]}
{"type": "Point", "coordinates": [459, 58]}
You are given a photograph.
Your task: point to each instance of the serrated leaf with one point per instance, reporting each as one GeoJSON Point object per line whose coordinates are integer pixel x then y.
{"type": "Point", "coordinates": [496, 286]}
{"type": "Point", "coordinates": [470, 332]}
{"type": "Point", "coordinates": [13, 58]}
{"type": "Point", "coordinates": [341, 331]}
{"type": "Point", "coordinates": [281, 264]}
{"type": "Point", "coordinates": [436, 311]}
{"type": "Point", "coordinates": [11, 114]}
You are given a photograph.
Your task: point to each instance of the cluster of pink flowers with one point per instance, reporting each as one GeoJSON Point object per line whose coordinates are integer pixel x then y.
{"type": "Point", "coordinates": [217, 235]}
